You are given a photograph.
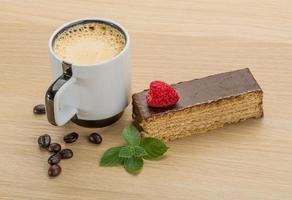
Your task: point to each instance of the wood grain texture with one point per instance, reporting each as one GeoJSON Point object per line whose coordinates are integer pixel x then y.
{"type": "Point", "coordinates": [172, 40]}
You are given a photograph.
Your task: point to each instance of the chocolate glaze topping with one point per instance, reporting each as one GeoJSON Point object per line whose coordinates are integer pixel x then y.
{"type": "Point", "coordinates": [199, 91]}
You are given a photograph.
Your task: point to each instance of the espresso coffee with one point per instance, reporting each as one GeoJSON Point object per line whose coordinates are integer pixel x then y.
{"type": "Point", "coordinates": [88, 43]}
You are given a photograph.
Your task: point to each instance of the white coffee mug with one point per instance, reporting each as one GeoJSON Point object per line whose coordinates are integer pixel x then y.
{"type": "Point", "coordinates": [89, 95]}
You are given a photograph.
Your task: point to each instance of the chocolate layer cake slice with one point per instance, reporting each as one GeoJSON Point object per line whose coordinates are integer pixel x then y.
{"type": "Point", "coordinates": [205, 104]}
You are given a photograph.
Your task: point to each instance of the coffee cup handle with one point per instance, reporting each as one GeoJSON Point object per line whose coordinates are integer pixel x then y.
{"type": "Point", "coordinates": [58, 114]}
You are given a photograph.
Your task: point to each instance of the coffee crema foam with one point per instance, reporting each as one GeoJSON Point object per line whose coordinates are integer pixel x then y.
{"type": "Point", "coordinates": [89, 43]}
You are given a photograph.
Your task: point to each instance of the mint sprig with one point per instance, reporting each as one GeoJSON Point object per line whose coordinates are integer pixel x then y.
{"type": "Point", "coordinates": [154, 148]}
{"type": "Point", "coordinates": [111, 157]}
{"type": "Point", "coordinates": [133, 165]}
{"type": "Point", "coordinates": [131, 135]}
{"type": "Point", "coordinates": [125, 152]}
{"type": "Point", "coordinates": [131, 155]}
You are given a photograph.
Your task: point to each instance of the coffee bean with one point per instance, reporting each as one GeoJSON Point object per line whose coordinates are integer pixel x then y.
{"type": "Point", "coordinates": [44, 141]}
{"type": "Point", "coordinates": [54, 159]}
{"type": "Point", "coordinates": [54, 170]}
{"type": "Point", "coordinates": [71, 137]}
{"type": "Point", "coordinates": [39, 109]}
{"type": "Point", "coordinates": [54, 147]}
{"type": "Point", "coordinates": [66, 153]}
{"type": "Point", "coordinates": [95, 138]}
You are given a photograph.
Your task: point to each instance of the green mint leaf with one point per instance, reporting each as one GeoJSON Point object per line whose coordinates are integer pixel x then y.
{"type": "Point", "coordinates": [133, 165]}
{"type": "Point", "coordinates": [131, 135]}
{"type": "Point", "coordinates": [126, 152]}
{"type": "Point", "coordinates": [111, 157]}
{"type": "Point", "coordinates": [154, 148]}
{"type": "Point", "coordinates": [140, 151]}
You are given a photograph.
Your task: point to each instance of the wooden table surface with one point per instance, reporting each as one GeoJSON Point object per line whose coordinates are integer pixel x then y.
{"type": "Point", "coordinates": [172, 40]}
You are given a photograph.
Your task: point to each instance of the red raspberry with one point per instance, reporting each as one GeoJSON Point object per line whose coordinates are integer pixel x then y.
{"type": "Point", "coordinates": [161, 95]}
